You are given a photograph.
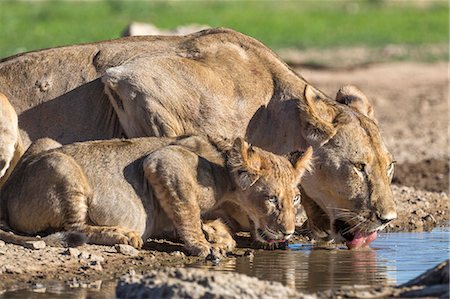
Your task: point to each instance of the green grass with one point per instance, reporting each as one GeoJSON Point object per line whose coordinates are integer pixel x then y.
{"type": "Point", "coordinates": [27, 26]}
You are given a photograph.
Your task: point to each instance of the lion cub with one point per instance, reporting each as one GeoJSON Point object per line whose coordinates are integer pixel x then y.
{"type": "Point", "coordinates": [125, 191]}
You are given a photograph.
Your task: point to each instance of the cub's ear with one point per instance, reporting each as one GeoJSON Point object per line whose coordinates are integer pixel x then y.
{"type": "Point", "coordinates": [301, 161]}
{"type": "Point", "coordinates": [353, 97]}
{"type": "Point", "coordinates": [245, 163]}
{"type": "Point", "coordinates": [317, 116]}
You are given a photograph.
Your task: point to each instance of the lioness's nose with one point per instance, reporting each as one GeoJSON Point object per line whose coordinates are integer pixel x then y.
{"type": "Point", "coordinates": [386, 217]}
{"type": "Point", "coordinates": [287, 234]}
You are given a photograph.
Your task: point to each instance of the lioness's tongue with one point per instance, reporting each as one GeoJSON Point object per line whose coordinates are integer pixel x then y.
{"type": "Point", "coordinates": [361, 240]}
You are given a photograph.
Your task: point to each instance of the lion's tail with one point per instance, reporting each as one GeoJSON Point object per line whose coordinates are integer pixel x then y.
{"type": "Point", "coordinates": [59, 239]}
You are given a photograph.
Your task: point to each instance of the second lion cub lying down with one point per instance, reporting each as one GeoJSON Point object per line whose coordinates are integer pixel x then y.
{"type": "Point", "coordinates": [125, 191]}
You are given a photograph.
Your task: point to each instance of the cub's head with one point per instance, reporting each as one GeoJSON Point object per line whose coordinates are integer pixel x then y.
{"type": "Point", "coordinates": [352, 169]}
{"type": "Point", "coordinates": [268, 188]}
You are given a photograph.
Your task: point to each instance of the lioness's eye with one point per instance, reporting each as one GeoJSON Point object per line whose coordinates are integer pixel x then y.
{"type": "Point", "coordinates": [297, 199]}
{"type": "Point", "coordinates": [272, 199]}
{"type": "Point", "coordinates": [390, 170]}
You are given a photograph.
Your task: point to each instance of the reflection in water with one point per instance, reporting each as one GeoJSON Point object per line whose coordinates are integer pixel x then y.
{"type": "Point", "coordinates": [394, 259]}
{"type": "Point", "coordinates": [105, 290]}
{"type": "Point", "coordinates": [310, 270]}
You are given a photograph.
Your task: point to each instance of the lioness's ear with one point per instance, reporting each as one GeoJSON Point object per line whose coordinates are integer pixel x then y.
{"type": "Point", "coordinates": [302, 162]}
{"type": "Point", "coordinates": [353, 97]}
{"type": "Point", "coordinates": [317, 117]}
{"type": "Point", "coordinates": [245, 163]}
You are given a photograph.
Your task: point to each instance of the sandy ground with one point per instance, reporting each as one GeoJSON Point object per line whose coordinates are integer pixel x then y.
{"type": "Point", "coordinates": [410, 101]}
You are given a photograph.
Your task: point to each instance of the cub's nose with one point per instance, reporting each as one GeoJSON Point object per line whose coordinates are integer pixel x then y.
{"type": "Point", "coordinates": [387, 217]}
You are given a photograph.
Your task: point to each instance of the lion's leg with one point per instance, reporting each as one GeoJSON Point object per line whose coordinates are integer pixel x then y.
{"type": "Point", "coordinates": [110, 235]}
{"type": "Point", "coordinates": [76, 219]}
{"type": "Point", "coordinates": [185, 214]}
{"type": "Point", "coordinates": [177, 197]}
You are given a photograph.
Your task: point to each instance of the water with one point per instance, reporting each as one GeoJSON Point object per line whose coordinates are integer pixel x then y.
{"type": "Point", "coordinates": [394, 258]}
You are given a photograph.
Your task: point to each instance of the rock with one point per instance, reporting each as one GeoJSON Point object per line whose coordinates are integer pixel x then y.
{"type": "Point", "coordinates": [84, 255]}
{"type": "Point", "coordinates": [436, 275]}
{"type": "Point", "coordinates": [35, 245]}
{"type": "Point", "coordinates": [95, 265]}
{"type": "Point", "coordinates": [12, 270]}
{"type": "Point", "coordinates": [197, 283]}
{"type": "Point", "coordinates": [126, 249]}
{"type": "Point", "coordinates": [95, 257]}
{"type": "Point", "coordinates": [38, 288]}
{"type": "Point", "coordinates": [2, 243]}
{"type": "Point", "coordinates": [73, 252]}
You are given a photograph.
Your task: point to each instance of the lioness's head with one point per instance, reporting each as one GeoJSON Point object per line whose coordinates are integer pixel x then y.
{"type": "Point", "coordinates": [352, 170]}
{"type": "Point", "coordinates": [268, 188]}
{"type": "Point", "coordinates": [9, 138]}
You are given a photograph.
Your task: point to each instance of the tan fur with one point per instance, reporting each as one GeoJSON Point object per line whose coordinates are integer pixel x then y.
{"type": "Point", "coordinates": [125, 191]}
{"type": "Point", "coordinates": [216, 82]}
{"type": "Point", "coordinates": [11, 148]}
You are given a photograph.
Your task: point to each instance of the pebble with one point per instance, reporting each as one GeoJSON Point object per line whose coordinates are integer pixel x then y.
{"type": "Point", "coordinates": [38, 288]}
{"type": "Point", "coordinates": [126, 249]}
{"type": "Point", "coordinates": [95, 257]}
{"type": "Point", "coordinates": [248, 253]}
{"type": "Point", "coordinates": [95, 265]}
{"type": "Point", "coordinates": [35, 244]}
{"type": "Point", "coordinates": [13, 270]}
{"type": "Point", "coordinates": [72, 252]}
{"type": "Point", "coordinates": [84, 255]}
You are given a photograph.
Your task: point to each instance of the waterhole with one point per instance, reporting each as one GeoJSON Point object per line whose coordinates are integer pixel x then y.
{"type": "Point", "coordinates": [393, 259]}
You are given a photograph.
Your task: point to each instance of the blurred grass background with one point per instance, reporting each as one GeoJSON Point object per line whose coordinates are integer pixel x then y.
{"type": "Point", "coordinates": [29, 25]}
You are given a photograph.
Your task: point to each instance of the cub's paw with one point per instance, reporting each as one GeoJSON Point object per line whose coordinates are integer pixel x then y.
{"type": "Point", "coordinates": [131, 238]}
{"type": "Point", "coordinates": [218, 234]}
{"type": "Point", "coordinates": [134, 239]}
{"type": "Point", "coordinates": [201, 249]}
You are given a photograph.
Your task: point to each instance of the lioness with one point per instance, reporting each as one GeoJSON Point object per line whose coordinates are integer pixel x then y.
{"type": "Point", "coordinates": [221, 83]}
{"type": "Point", "coordinates": [125, 191]}
{"type": "Point", "coordinates": [11, 148]}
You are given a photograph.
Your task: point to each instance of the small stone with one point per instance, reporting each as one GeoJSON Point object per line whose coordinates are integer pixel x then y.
{"type": "Point", "coordinates": [126, 249]}
{"type": "Point", "coordinates": [177, 254]}
{"type": "Point", "coordinates": [95, 265]}
{"type": "Point", "coordinates": [84, 255]}
{"type": "Point", "coordinates": [96, 285]}
{"type": "Point", "coordinates": [95, 257]}
{"type": "Point", "coordinates": [2, 243]}
{"type": "Point", "coordinates": [429, 218]}
{"type": "Point", "coordinates": [38, 288]}
{"type": "Point", "coordinates": [73, 252]}
{"type": "Point", "coordinates": [35, 245]}
{"type": "Point", "coordinates": [13, 270]}
{"type": "Point", "coordinates": [248, 253]}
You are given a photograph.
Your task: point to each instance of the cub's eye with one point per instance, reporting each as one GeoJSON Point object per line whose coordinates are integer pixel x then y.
{"type": "Point", "coordinates": [360, 167]}
{"type": "Point", "coordinates": [297, 199]}
{"type": "Point", "coordinates": [272, 199]}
